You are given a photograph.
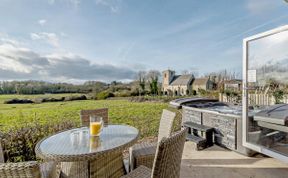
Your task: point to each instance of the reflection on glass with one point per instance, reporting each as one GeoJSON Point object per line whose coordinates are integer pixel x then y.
{"type": "Point", "coordinates": [75, 138]}
{"type": "Point", "coordinates": [84, 137]}
{"type": "Point", "coordinates": [268, 58]}
{"type": "Point", "coordinates": [95, 142]}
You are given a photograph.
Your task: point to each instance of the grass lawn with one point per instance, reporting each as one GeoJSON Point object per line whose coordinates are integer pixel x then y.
{"type": "Point", "coordinates": [144, 116]}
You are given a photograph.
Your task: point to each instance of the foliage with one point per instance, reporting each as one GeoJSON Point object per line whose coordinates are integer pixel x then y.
{"type": "Point", "coordinates": [125, 93]}
{"type": "Point", "coordinates": [141, 80]}
{"type": "Point", "coordinates": [153, 77]}
{"type": "Point", "coordinates": [43, 100]}
{"type": "Point", "coordinates": [104, 95]}
{"type": "Point", "coordinates": [230, 93]}
{"type": "Point", "coordinates": [278, 95]}
{"type": "Point", "coordinates": [40, 87]}
{"type": "Point", "coordinates": [202, 92]}
{"type": "Point", "coordinates": [19, 143]}
{"type": "Point", "coordinates": [164, 99]}
{"type": "Point", "coordinates": [194, 92]}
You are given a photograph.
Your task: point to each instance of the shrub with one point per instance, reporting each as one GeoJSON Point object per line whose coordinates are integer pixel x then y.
{"type": "Point", "coordinates": [124, 93]}
{"type": "Point", "coordinates": [72, 98]}
{"type": "Point", "coordinates": [202, 92]}
{"type": "Point", "coordinates": [194, 92]}
{"type": "Point", "coordinates": [278, 95]}
{"type": "Point", "coordinates": [19, 144]}
{"type": "Point", "coordinates": [104, 95]}
{"type": "Point", "coordinates": [18, 101]}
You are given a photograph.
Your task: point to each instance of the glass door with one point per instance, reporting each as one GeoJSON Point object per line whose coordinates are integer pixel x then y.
{"type": "Point", "coordinates": [265, 93]}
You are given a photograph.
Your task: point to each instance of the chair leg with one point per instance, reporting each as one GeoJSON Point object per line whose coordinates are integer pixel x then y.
{"type": "Point", "coordinates": [131, 161]}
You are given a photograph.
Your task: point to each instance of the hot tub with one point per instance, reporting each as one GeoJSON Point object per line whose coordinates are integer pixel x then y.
{"type": "Point", "coordinates": [225, 119]}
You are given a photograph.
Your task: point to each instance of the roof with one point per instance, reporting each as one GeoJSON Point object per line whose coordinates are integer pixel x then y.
{"type": "Point", "coordinates": [182, 80]}
{"type": "Point", "coordinates": [200, 81]}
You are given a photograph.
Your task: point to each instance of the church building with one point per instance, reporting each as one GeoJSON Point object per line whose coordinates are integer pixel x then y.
{"type": "Point", "coordinates": [176, 85]}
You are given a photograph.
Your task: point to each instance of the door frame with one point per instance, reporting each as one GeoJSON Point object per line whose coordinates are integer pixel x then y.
{"type": "Point", "coordinates": [249, 145]}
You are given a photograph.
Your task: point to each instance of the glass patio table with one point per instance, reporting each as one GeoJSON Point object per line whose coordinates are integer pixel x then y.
{"type": "Point", "coordinates": [81, 155]}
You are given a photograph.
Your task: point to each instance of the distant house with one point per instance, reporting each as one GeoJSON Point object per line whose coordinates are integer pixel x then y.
{"type": "Point", "coordinates": [176, 85]}
{"type": "Point", "coordinates": [203, 83]}
{"type": "Point", "coordinates": [234, 85]}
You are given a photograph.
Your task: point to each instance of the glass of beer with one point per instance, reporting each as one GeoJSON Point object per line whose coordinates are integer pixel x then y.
{"type": "Point", "coordinates": [96, 125]}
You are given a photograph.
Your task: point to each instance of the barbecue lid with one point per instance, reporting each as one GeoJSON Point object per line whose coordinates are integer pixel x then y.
{"type": "Point", "coordinates": [276, 114]}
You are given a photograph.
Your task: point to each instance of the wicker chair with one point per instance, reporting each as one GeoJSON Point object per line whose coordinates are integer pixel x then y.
{"type": "Point", "coordinates": [85, 115]}
{"type": "Point", "coordinates": [167, 160]}
{"type": "Point", "coordinates": [144, 153]}
{"type": "Point", "coordinates": [29, 169]}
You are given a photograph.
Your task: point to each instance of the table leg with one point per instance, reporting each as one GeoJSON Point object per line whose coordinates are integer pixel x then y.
{"type": "Point", "coordinates": [74, 169]}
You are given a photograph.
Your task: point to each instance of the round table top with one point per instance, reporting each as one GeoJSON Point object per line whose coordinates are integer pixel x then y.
{"type": "Point", "coordinates": [77, 145]}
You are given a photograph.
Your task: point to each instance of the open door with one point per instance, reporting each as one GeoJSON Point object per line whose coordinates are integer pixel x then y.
{"type": "Point", "coordinates": [265, 93]}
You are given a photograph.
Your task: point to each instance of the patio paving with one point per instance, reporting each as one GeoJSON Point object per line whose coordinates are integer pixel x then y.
{"type": "Point", "coordinates": [217, 162]}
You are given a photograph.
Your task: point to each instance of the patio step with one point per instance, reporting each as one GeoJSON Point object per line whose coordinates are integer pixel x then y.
{"type": "Point", "coordinates": [200, 130]}
{"type": "Point", "coordinates": [201, 143]}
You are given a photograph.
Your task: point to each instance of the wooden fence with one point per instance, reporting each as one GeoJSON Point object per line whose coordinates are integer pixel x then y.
{"type": "Point", "coordinates": [253, 99]}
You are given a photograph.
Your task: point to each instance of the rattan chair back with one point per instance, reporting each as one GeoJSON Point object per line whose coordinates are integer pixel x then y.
{"type": "Point", "coordinates": [29, 169]}
{"type": "Point", "coordinates": [85, 115]}
{"type": "Point", "coordinates": [1, 153]}
{"type": "Point", "coordinates": [166, 124]}
{"type": "Point", "coordinates": [168, 156]}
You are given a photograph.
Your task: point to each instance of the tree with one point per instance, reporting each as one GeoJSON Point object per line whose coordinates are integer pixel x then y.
{"type": "Point", "coordinates": [153, 77]}
{"type": "Point", "coordinates": [141, 78]}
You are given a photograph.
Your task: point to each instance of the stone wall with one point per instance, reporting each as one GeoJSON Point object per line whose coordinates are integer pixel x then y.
{"type": "Point", "coordinates": [225, 126]}
{"type": "Point", "coordinates": [225, 129]}
{"type": "Point", "coordinates": [228, 127]}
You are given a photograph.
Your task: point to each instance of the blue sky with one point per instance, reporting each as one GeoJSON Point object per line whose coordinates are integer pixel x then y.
{"type": "Point", "coordinates": [78, 40]}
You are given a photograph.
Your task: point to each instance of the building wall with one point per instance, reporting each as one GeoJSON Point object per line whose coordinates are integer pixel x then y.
{"type": "Point", "coordinates": [232, 86]}
{"type": "Point", "coordinates": [180, 90]}
{"type": "Point", "coordinates": [196, 87]}
{"type": "Point", "coordinates": [210, 85]}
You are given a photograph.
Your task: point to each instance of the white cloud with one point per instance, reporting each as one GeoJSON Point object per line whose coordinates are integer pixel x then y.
{"type": "Point", "coordinates": [19, 59]}
{"type": "Point", "coordinates": [20, 63]}
{"type": "Point", "coordinates": [51, 1]}
{"type": "Point", "coordinates": [10, 41]}
{"type": "Point", "coordinates": [268, 50]}
{"type": "Point", "coordinates": [262, 6]}
{"type": "Point", "coordinates": [50, 38]}
{"type": "Point", "coordinates": [74, 3]}
{"type": "Point", "coordinates": [42, 22]}
{"type": "Point", "coordinates": [113, 5]}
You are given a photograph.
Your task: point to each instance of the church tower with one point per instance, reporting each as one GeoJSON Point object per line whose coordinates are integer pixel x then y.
{"type": "Point", "coordinates": [167, 77]}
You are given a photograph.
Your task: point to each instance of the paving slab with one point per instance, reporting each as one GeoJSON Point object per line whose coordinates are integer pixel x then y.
{"type": "Point", "coordinates": [218, 162]}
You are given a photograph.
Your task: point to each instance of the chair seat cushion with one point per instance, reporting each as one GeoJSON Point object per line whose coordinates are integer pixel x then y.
{"type": "Point", "coordinates": [144, 148]}
{"type": "Point", "coordinates": [143, 154]}
{"type": "Point", "coordinates": [140, 172]}
{"type": "Point", "coordinates": [48, 170]}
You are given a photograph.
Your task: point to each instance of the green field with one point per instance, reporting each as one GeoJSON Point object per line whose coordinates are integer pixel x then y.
{"type": "Point", "coordinates": [144, 116]}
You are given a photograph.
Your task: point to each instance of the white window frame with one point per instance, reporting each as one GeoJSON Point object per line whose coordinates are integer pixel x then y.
{"type": "Point", "coordinates": [249, 145]}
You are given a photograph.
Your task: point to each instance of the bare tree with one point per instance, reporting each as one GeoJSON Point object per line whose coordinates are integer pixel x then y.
{"type": "Point", "coordinates": [141, 79]}
{"type": "Point", "coordinates": [185, 72]}
{"type": "Point", "coordinates": [153, 77]}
